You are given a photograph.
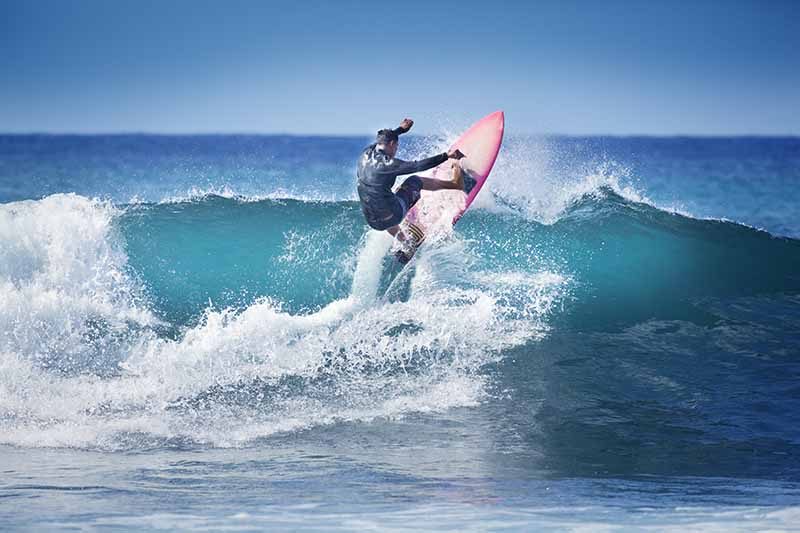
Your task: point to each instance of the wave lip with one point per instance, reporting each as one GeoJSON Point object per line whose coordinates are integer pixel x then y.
{"type": "Point", "coordinates": [67, 295]}
{"type": "Point", "coordinates": [199, 194]}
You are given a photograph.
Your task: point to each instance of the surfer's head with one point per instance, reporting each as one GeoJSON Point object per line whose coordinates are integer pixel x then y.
{"type": "Point", "coordinates": [387, 141]}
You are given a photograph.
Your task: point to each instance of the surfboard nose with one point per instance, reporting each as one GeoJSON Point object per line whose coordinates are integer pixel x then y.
{"type": "Point", "coordinates": [496, 120]}
{"type": "Point", "coordinates": [498, 116]}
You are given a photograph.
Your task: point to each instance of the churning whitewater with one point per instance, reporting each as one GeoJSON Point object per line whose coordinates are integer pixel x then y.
{"type": "Point", "coordinates": [96, 354]}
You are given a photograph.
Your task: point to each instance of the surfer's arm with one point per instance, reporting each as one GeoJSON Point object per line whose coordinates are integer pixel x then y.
{"type": "Point", "coordinates": [404, 126]}
{"type": "Point", "coordinates": [398, 167]}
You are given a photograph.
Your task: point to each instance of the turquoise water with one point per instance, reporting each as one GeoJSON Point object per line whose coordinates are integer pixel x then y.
{"type": "Point", "coordinates": [192, 336]}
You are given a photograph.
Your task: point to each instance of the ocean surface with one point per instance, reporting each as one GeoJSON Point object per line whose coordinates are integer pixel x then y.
{"type": "Point", "coordinates": [192, 336]}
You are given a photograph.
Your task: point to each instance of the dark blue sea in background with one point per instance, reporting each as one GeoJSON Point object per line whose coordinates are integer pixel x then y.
{"type": "Point", "coordinates": [192, 336]}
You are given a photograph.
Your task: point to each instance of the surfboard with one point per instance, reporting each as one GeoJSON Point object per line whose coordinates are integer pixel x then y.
{"type": "Point", "coordinates": [438, 211]}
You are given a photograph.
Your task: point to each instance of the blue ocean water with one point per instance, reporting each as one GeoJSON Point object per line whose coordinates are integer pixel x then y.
{"type": "Point", "coordinates": [192, 337]}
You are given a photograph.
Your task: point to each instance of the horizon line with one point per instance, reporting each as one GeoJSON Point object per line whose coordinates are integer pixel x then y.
{"type": "Point", "coordinates": [359, 136]}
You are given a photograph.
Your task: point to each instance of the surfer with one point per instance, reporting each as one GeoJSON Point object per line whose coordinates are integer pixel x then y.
{"type": "Point", "coordinates": [378, 168]}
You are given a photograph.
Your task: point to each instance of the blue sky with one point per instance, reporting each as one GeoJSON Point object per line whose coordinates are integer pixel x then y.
{"type": "Point", "coordinates": [343, 67]}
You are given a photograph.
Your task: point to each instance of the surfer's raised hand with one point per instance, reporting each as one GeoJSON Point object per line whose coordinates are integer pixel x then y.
{"type": "Point", "coordinates": [455, 154]}
{"type": "Point", "coordinates": [406, 124]}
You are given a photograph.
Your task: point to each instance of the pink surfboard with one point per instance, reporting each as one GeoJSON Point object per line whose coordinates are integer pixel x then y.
{"type": "Point", "coordinates": [440, 210]}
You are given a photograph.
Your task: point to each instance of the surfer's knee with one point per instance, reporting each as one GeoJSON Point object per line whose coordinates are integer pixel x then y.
{"type": "Point", "coordinates": [413, 183]}
{"type": "Point", "coordinates": [410, 191]}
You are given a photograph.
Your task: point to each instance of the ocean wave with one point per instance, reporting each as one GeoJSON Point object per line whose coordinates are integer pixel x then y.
{"type": "Point", "coordinates": [221, 322]}
{"type": "Point", "coordinates": [87, 363]}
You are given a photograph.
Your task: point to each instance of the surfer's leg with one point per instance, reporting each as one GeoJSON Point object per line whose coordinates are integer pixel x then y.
{"type": "Point", "coordinates": [408, 194]}
{"type": "Point", "coordinates": [457, 183]}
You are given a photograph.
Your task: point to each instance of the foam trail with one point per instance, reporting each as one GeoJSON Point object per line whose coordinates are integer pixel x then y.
{"type": "Point", "coordinates": [368, 270]}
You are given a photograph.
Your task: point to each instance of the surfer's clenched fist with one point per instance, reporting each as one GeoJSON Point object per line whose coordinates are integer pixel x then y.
{"type": "Point", "coordinates": [406, 124]}
{"type": "Point", "coordinates": [455, 154]}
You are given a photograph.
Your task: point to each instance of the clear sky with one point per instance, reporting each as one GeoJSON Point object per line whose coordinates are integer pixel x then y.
{"type": "Point", "coordinates": [346, 67]}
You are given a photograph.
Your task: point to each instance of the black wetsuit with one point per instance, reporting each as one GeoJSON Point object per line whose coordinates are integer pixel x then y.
{"type": "Point", "coordinates": [377, 173]}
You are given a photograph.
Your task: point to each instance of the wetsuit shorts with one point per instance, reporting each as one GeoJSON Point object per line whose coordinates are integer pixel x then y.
{"type": "Point", "coordinates": [404, 199]}
{"type": "Point", "coordinates": [408, 194]}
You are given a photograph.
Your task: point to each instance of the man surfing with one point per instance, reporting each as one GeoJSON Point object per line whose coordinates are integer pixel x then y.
{"type": "Point", "coordinates": [378, 168]}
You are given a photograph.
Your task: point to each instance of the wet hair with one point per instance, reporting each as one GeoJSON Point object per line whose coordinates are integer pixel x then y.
{"type": "Point", "coordinates": [386, 136]}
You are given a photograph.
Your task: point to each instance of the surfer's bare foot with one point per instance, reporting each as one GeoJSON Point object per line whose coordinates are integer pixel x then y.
{"type": "Point", "coordinates": [458, 176]}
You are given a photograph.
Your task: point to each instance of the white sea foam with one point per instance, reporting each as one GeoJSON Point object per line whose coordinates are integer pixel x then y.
{"type": "Point", "coordinates": [81, 364]}
{"type": "Point", "coordinates": [533, 179]}
{"type": "Point", "coordinates": [65, 291]}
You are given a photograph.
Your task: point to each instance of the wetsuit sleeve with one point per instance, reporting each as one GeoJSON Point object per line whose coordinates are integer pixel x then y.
{"type": "Point", "coordinates": [399, 131]}
{"type": "Point", "coordinates": [399, 167]}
